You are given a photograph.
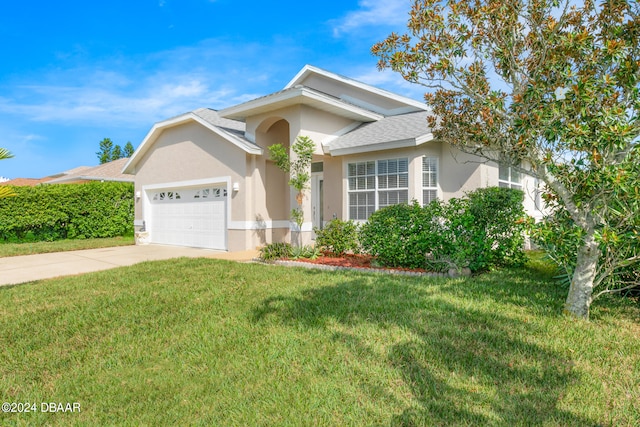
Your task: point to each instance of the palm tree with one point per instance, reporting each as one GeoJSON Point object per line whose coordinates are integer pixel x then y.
{"type": "Point", "coordinates": [5, 191]}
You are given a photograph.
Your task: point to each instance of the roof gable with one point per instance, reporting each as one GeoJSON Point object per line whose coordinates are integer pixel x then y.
{"type": "Point", "coordinates": [230, 130]}
{"type": "Point", "coordinates": [330, 92]}
{"type": "Point", "coordinates": [356, 92]}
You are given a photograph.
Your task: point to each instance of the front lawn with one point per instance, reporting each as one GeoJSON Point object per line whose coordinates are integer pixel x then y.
{"type": "Point", "coordinates": [210, 342]}
{"type": "Point", "coordinates": [15, 249]}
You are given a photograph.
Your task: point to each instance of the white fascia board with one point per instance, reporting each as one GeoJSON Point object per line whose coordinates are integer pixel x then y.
{"type": "Point", "coordinates": [310, 69]}
{"type": "Point", "coordinates": [385, 146]}
{"type": "Point", "coordinates": [157, 128]}
{"type": "Point", "coordinates": [238, 110]}
{"type": "Point", "coordinates": [427, 137]}
{"type": "Point", "coordinates": [384, 111]}
{"type": "Point", "coordinates": [296, 96]}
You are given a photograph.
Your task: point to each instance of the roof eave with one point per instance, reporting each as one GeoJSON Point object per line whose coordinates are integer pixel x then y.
{"type": "Point", "coordinates": [389, 145]}
{"type": "Point", "coordinates": [297, 96]}
{"type": "Point", "coordinates": [88, 178]}
{"type": "Point", "coordinates": [310, 69]}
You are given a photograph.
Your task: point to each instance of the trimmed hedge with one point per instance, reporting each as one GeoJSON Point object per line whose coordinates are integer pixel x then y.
{"type": "Point", "coordinates": [67, 211]}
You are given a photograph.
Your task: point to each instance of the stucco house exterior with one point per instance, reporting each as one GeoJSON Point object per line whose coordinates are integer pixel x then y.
{"type": "Point", "coordinates": [205, 179]}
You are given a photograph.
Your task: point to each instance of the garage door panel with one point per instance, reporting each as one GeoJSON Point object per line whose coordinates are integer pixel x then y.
{"type": "Point", "coordinates": [189, 217]}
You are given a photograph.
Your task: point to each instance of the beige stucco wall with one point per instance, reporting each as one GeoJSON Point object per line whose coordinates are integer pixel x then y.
{"type": "Point", "coordinates": [321, 126]}
{"type": "Point", "coordinates": [284, 126]}
{"type": "Point", "coordinates": [191, 152]}
{"type": "Point", "coordinates": [457, 172]}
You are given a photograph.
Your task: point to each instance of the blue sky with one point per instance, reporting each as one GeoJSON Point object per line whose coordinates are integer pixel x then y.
{"type": "Point", "coordinates": [75, 72]}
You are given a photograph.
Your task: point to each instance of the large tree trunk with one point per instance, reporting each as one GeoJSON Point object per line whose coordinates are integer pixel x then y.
{"type": "Point", "coordinates": [581, 290]}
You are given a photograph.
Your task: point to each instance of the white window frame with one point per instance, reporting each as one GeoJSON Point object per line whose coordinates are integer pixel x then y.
{"type": "Point", "coordinates": [510, 179]}
{"type": "Point", "coordinates": [434, 162]}
{"type": "Point", "coordinates": [372, 183]}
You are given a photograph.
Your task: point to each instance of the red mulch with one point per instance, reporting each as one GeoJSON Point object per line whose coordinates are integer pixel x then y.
{"type": "Point", "coordinates": [354, 261]}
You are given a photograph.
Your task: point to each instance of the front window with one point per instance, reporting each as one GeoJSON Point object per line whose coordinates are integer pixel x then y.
{"type": "Point", "coordinates": [429, 179]}
{"type": "Point", "coordinates": [376, 184]}
{"type": "Point", "coordinates": [508, 177]}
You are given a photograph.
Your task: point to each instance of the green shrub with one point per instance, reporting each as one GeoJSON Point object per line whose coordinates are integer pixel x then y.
{"type": "Point", "coordinates": [618, 266]}
{"type": "Point", "coordinates": [304, 252]}
{"type": "Point", "coordinates": [281, 250]}
{"type": "Point", "coordinates": [400, 235]}
{"type": "Point", "coordinates": [338, 237]}
{"type": "Point", "coordinates": [274, 251]}
{"type": "Point", "coordinates": [482, 231]}
{"type": "Point", "coordinates": [67, 211]}
{"type": "Point", "coordinates": [499, 223]}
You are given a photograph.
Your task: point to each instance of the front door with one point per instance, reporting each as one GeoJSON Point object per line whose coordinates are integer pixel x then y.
{"type": "Point", "coordinates": [317, 200]}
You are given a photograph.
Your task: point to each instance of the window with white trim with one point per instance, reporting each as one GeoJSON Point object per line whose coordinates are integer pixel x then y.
{"type": "Point", "coordinates": [376, 184]}
{"type": "Point", "coordinates": [429, 180]}
{"type": "Point", "coordinates": [508, 177]}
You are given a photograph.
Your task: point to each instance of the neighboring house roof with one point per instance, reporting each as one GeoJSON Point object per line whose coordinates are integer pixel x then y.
{"type": "Point", "coordinates": [405, 130]}
{"type": "Point", "coordinates": [111, 171]}
{"type": "Point", "coordinates": [231, 130]}
{"type": "Point", "coordinates": [26, 182]}
{"type": "Point", "coordinates": [73, 171]}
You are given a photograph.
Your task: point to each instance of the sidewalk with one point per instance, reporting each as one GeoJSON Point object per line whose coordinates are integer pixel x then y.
{"type": "Point", "coordinates": [27, 268]}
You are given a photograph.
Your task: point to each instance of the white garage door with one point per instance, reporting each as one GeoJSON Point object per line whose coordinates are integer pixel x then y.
{"type": "Point", "coordinates": [189, 217]}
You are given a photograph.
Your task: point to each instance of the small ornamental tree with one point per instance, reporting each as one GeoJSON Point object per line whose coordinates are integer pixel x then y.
{"type": "Point", "coordinates": [552, 88]}
{"type": "Point", "coordinates": [4, 190]}
{"type": "Point", "coordinates": [298, 169]}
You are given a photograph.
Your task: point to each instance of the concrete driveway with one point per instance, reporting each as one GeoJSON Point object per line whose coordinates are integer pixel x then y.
{"type": "Point", "coordinates": [27, 268]}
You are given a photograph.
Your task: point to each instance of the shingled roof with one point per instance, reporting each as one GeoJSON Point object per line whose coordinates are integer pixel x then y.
{"type": "Point", "coordinates": [105, 172]}
{"type": "Point", "coordinates": [403, 130]}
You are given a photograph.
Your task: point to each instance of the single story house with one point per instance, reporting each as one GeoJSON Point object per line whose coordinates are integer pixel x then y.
{"type": "Point", "coordinates": [204, 178]}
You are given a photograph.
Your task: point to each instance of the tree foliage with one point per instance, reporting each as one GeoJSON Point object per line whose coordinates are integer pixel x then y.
{"type": "Point", "coordinates": [110, 151]}
{"type": "Point", "coordinates": [298, 168]}
{"type": "Point", "coordinates": [551, 88]}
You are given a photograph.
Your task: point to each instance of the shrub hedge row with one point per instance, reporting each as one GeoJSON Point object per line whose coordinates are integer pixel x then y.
{"type": "Point", "coordinates": [481, 231]}
{"type": "Point", "coordinates": [67, 211]}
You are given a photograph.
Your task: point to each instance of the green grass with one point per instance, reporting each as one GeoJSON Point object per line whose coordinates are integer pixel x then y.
{"type": "Point", "coordinates": [209, 342]}
{"type": "Point", "coordinates": [15, 249]}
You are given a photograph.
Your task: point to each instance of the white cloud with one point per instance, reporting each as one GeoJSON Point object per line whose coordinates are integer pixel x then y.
{"type": "Point", "coordinates": [119, 105]}
{"type": "Point", "coordinates": [141, 91]}
{"type": "Point", "coordinates": [373, 13]}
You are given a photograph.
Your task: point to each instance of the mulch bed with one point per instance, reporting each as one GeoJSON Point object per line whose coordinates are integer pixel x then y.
{"type": "Point", "coordinates": [355, 261]}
